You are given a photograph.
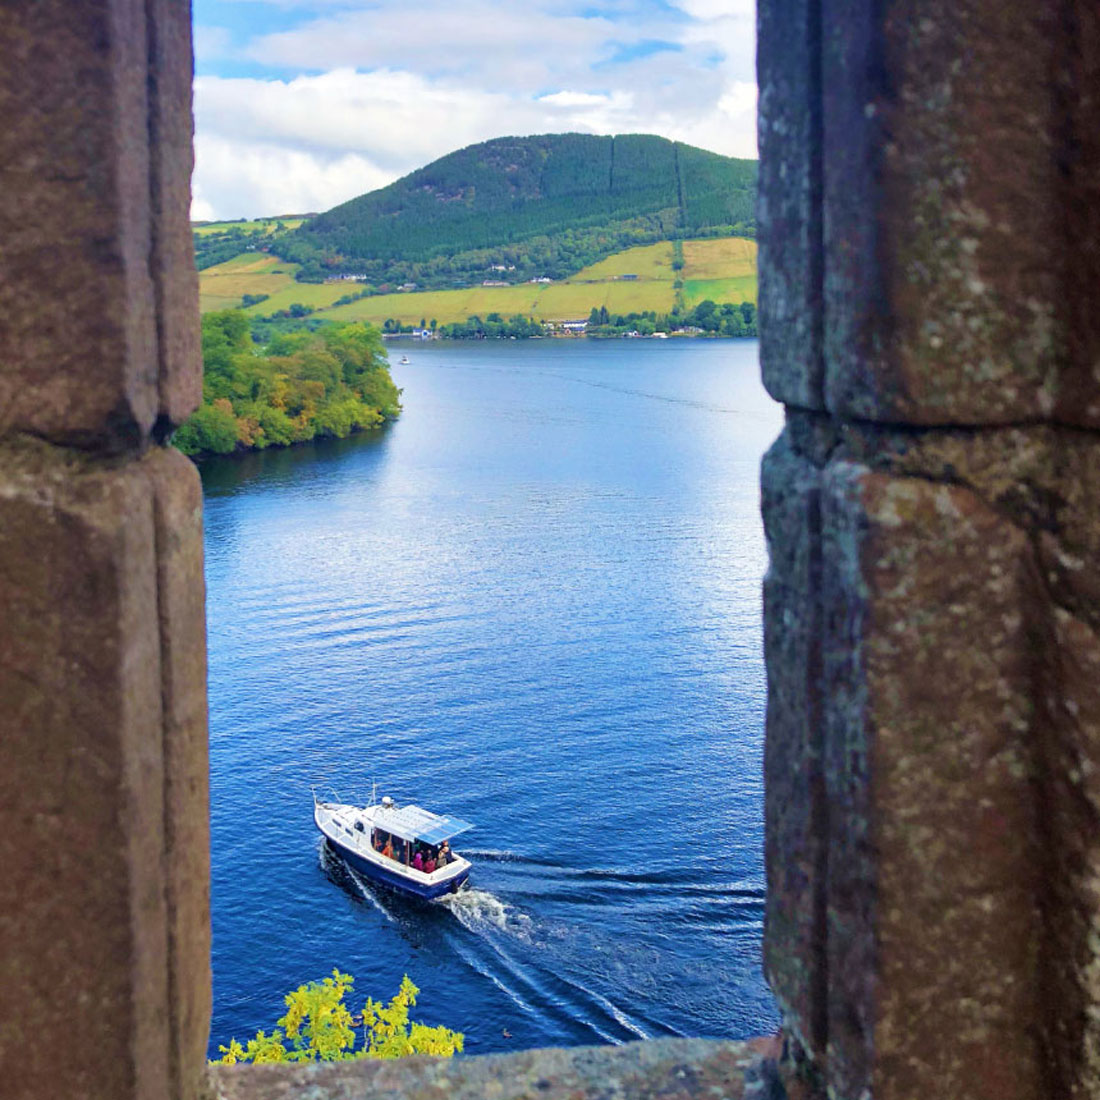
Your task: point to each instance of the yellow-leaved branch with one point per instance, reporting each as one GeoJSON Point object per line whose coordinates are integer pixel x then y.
{"type": "Point", "coordinates": [319, 1027]}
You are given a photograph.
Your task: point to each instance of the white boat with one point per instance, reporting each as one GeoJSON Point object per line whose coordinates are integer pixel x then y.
{"type": "Point", "coordinates": [382, 841]}
{"type": "Point", "coordinates": [404, 358]}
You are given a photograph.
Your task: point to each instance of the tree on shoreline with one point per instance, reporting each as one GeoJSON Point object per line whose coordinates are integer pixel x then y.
{"type": "Point", "coordinates": [301, 386]}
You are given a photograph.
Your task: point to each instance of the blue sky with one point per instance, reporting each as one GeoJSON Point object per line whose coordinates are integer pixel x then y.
{"type": "Point", "coordinates": [301, 104]}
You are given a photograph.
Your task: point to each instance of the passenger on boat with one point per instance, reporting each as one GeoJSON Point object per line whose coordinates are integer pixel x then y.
{"type": "Point", "coordinates": [444, 854]}
{"type": "Point", "coordinates": [429, 864]}
{"type": "Point", "coordinates": [418, 861]}
{"type": "Point", "coordinates": [387, 848]}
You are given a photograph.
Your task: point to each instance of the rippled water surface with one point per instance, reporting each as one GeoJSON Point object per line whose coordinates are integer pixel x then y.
{"type": "Point", "coordinates": [533, 602]}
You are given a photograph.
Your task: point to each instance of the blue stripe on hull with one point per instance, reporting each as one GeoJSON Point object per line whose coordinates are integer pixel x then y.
{"type": "Point", "coordinates": [389, 878]}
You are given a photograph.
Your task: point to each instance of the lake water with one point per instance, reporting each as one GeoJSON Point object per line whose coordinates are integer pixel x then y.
{"type": "Point", "coordinates": [533, 602]}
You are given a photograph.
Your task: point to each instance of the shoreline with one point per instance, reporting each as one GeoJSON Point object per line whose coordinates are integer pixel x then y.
{"type": "Point", "coordinates": [415, 340]}
{"type": "Point", "coordinates": [240, 451]}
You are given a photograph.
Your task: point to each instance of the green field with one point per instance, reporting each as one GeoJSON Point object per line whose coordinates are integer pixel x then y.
{"type": "Point", "coordinates": [648, 261]}
{"type": "Point", "coordinates": [719, 258]}
{"type": "Point", "coordinates": [260, 225]}
{"type": "Point", "coordinates": [316, 295]}
{"type": "Point", "coordinates": [722, 269]}
{"type": "Point", "coordinates": [222, 287]}
{"type": "Point", "coordinates": [741, 288]}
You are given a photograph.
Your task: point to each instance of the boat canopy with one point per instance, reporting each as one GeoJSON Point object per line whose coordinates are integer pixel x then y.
{"type": "Point", "coordinates": [416, 823]}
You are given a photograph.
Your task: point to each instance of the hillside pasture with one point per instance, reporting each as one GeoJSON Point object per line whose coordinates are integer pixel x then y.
{"type": "Point", "coordinates": [445, 306]}
{"type": "Point", "coordinates": [741, 288]}
{"type": "Point", "coordinates": [574, 301]}
{"type": "Point", "coordinates": [315, 295]}
{"type": "Point", "coordinates": [223, 286]}
{"type": "Point", "coordinates": [648, 261]}
{"type": "Point", "coordinates": [554, 302]}
{"type": "Point", "coordinates": [264, 226]}
{"type": "Point", "coordinates": [719, 258]}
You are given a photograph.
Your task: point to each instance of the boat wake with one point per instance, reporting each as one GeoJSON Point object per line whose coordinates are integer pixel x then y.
{"type": "Point", "coordinates": [478, 910]}
{"type": "Point", "coordinates": [340, 872]}
{"type": "Point", "coordinates": [504, 944]}
{"type": "Point", "coordinates": [493, 855]}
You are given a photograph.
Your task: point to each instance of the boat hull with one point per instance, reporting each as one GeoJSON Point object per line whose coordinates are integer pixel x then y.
{"type": "Point", "coordinates": [394, 879]}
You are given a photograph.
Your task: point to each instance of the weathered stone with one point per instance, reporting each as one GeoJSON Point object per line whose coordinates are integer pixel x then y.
{"type": "Point", "coordinates": [177, 513]}
{"type": "Point", "coordinates": [796, 845]}
{"type": "Point", "coordinates": [173, 257]}
{"type": "Point", "coordinates": [1068, 751]}
{"type": "Point", "coordinates": [934, 858]}
{"type": "Point", "coordinates": [82, 903]}
{"type": "Point", "coordinates": [1077, 83]}
{"type": "Point", "coordinates": [77, 327]}
{"type": "Point", "coordinates": [669, 1069]}
{"type": "Point", "coordinates": [789, 202]}
{"type": "Point", "coordinates": [944, 238]}
{"type": "Point", "coordinates": [1044, 478]}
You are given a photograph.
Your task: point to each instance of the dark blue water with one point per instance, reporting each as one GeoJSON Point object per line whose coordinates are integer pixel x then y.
{"type": "Point", "coordinates": [533, 602]}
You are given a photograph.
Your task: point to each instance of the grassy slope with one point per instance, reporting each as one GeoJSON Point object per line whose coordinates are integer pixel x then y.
{"type": "Point", "coordinates": [722, 269]}
{"type": "Point", "coordinates": [648, 261]}
{"type": "Point", "coordinates": [222, 287]}
{"type": "Point", "coordinates": [265, 226]}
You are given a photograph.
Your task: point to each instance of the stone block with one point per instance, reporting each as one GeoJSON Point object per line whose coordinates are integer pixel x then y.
{"type": "Point", "coordinates": [789, 202]}
{"type": "Point", "coordinates": [98, 291]}
{"type": "Point", "coordinates": [177, 516]}
{"type": "Point", "coordinates": [173, 257]}
{"type": "Point", "coordinates": [77, 318]}
{"type": "Point", "coordinates": [796, 842]}
{"type": "Point", "coordinates": [935, 860]}
{"type": "Point", "coordinates": [82, 899]}
{"type": "Point", "coordinates": [943, 227]}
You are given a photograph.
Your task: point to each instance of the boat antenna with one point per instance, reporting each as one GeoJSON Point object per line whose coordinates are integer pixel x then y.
{"type": "Point", "coordinates": [373, 791]}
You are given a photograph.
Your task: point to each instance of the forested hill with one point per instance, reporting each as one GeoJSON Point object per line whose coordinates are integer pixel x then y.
{"type": "Point", "coordinates": [534, 206]}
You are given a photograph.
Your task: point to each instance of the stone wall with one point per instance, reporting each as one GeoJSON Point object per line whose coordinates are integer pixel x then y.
{"type": "Point", "coordinates": [665, 1069]}
{"type": "Point", "coordinates": [930, 279]}
{"type": "Point", "coordinates": [104, 911]}
{"type": "Point", "coordinates": [930, 273]}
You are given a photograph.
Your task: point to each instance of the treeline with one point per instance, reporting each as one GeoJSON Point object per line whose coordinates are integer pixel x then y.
{"type": "Point", "coordinates": [301, 386]}
{"type": "Point", "coordinates": [545, 206]}
{"type": "Point", "coordinates": [707, 316]}
{"type": "Point", "coordinates": [494, 327]}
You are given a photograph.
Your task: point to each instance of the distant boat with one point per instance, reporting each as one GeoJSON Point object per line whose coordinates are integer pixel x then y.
{"type": "Point", "coordinates": [404, 358]}
{"type": "Point", "coordinates": [383, 841]}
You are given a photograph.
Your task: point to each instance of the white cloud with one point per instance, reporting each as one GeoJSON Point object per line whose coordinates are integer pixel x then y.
{"type": "Point", "coordinates": [258, 178]}
{"type": "Point", "coordinates": [718, 9]}
{"type": "Point", "coordinates": [581, 99]}
{"type": "Point", "coordinates": [487, 41]}
{"type": "Point", "coordinates": [396, 87]}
